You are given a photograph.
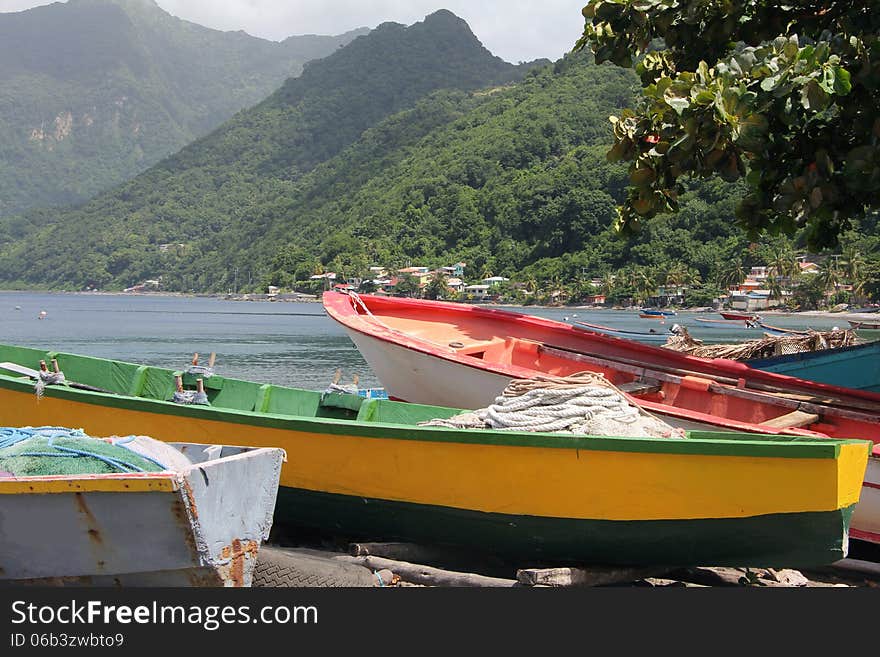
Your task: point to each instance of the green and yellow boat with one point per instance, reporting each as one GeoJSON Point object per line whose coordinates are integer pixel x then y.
{"type": "Point", "coordinates": [365, 468]}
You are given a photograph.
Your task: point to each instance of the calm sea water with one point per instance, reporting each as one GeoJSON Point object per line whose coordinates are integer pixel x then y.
{"type": "Point", "coordinates": [293, 344]}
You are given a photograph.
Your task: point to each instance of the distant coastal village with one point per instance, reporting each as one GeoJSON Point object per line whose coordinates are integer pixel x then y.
{"type": "Point", "coordinates": [792, 283]}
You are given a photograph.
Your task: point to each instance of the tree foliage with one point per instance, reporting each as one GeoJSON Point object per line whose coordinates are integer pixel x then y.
{"type": "Point", "coordinates": [785, 95]}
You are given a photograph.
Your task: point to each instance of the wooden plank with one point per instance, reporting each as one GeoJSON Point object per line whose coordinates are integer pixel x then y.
{"type": "Point", "coordinates": [594, 576]}
{"type": "Point", "coordinates": [656, 372]}
{"type": "Point", "coordinates": [792, 420]}
{"type": "Point", "coordinates": [646, 387]}
{"type": "Point", "coordinates": [427, 575]}
{"type": "Point", "coordinates": [721, 386]}
{"type": "Point", "coordinates": [20, 369]}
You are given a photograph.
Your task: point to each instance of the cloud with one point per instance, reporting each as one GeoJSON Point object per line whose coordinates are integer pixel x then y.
{"type": "Point", "coordinates": [515, 30]}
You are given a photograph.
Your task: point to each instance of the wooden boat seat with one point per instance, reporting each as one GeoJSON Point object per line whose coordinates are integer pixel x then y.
{"type": "Point", "coordinates": [795, 419]}
{"type": "Point", "coordinates": [638, 388]}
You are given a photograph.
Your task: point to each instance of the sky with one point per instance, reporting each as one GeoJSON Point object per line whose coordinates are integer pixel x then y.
{"type": "Point", "coordinates": [515, 30]}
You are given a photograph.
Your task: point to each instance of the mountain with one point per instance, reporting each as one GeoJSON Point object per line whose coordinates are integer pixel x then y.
{"type": "Point", "coordinates": [93, 92]}
{"type": "Point", "coordinates": [220, 183]}
{"type": "Point", "coordinates": [510, 178]}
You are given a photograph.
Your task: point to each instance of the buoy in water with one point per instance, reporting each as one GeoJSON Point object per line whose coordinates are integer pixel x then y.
{"type": "Point", "coordinates": [42, 314]}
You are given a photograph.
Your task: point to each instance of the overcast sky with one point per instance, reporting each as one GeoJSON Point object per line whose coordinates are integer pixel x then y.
{"type": "Point", "coordinates": [515, 30]}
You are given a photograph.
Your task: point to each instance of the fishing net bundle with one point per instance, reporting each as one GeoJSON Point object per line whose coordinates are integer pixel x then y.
{"type": "Point", "coordinates": [38, 451]}
{"type": "Point", "coordinates": [766, 347]}
{"type": "Point", "coordinates": [581, 404]}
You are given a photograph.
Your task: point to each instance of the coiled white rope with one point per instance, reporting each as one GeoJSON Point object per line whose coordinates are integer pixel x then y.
{"type": "Point", "coordinates": [547, 409]}
{"type": "Point", "coordinates": [582, 404]}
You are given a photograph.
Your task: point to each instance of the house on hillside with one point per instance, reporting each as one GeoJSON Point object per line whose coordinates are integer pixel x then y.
{"type": "Point", "coordinates": [421, 274]}
{"type": "Point", "coordinates": [492, 281]}
{"type": "Point", "coordinates": [456, 270]}
{"type": "Point", "coordinates": [479, 292]}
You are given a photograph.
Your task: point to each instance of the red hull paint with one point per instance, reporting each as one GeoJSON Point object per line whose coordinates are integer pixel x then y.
{"type": "Point", "coordinates": [440, 329]}
{"type": "Point", "coordinates": [864, 536]}
{"type": "Point", "coordinates": [737, 316]}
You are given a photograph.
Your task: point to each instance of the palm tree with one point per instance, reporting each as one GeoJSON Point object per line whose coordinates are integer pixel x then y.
{"type": "Point", "coordinates": [437, 287]}
{"type": "Point", "coordinates": [854, 270]}
{"type": "Point", "coordinates": [644, 284]}
{"type": "Point", "coordinates": [784, 263]}
{"type": "Point", "coordinates": [829, 276]}
{"type": "Point", "coordinates": [774, 284]}
{"type": "Point", "coordinates": [731, 273]}
{"type": "Point", "coordinates": [676, 275]}
{"type": "Point", "coordinates": [608, 284]}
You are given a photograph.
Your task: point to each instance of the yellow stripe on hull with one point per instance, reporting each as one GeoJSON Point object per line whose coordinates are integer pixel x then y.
{"type": "Point", "coordinates": [535, 481]}
{"type": "Point", "coordinates": [86, 484]}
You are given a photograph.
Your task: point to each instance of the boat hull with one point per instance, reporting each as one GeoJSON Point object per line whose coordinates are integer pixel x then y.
{"type": "Point", "coordinates": [866, 519]}
{"type": "Point", "coordinates": [855, 367]}
{"type": "Point", "coordinates": [156, 529]}
{"type": "Point", "coordinates": [783, 540]}
{"type": "Point", "coordinates": [424, 377]}
{"type": "Point", "coordinates": [740, 504]}
{"type": "Point", "coordinates": [867, 326]}
{"type": "Point", "coordinates": [661, 336]}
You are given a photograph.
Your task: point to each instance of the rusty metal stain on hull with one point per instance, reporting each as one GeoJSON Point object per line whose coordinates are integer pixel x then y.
{"type": "Point", "coordinates": [91, 522]}
{"type": "Point", "coordinates": [235, 556]}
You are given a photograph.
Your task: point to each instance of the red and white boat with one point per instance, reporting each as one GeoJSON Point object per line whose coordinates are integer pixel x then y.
{"type": "Point", "coordinates": [740, 316]}
{"type": "Point", "coordinates": [463, 356]}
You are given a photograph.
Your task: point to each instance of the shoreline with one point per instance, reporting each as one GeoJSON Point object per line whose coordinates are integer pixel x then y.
{"type": "Point", "coordinates": [293, 298]}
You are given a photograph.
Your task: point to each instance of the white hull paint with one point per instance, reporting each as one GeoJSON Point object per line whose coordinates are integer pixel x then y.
{"type": "Point", "coordinates": [421, 378]}
{"type": "Point", "coordinates": [866, 517]}
{"type": "Point", "coordinates": [205, 532]}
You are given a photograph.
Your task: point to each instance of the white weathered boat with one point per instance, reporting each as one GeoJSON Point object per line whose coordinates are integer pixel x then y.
{"type": "Point", "coordinates": [199, 525]}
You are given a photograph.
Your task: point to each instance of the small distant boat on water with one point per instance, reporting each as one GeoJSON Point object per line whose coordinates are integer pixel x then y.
{"type": "Point", "coordinates": [777, 330]}
{"type": "Point", "coordinates": [870, 326]}
{"type": "Point", "coordinates": [654, 311]}
{"type": "Point", "coordinates": [742, 316]}
{"type": "Point", "coordinates": [709, 322]}
{"type": "Point", "coordinates": [197, 519]}
{"type": "Point", "coordinates": [642, 336]}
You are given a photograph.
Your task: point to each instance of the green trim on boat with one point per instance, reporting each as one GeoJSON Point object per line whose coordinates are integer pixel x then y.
{"type": "Point", "coordinates": [234, 401]}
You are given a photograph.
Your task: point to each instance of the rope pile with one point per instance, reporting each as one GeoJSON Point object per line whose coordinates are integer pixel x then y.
{"type": "Point", "coordinates": [196, 397]}
{"type": "Point", "coordinates": [766, 347]}
{"type": "Point", "coordinates": [580, 404]}
{"type": "Point", "coordinates": [46, 378]}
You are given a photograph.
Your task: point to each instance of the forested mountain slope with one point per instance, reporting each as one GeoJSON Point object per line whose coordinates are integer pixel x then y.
{"type": "Point", "coordinates": [93, 92]}
{"type": "Point", "coordinates": [241, 178]}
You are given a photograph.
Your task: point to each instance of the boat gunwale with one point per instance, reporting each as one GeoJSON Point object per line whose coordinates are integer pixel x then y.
{"type": "Point", "coordinates": [379, 331]}
{"type": "Point", "coordinates": [335, 305]}
{"type": "Point", "coordinates": [110, 482]}
{"type": "Point", "coordinates": [697, 443]}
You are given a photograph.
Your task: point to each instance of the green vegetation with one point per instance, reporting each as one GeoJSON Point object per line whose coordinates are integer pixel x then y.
{"type": "Point", "coordinates": [782, 95]}
{"type": "Point", "coordinates": [414, 146]}
{"type": "Point", "coordinates": [93, 92]}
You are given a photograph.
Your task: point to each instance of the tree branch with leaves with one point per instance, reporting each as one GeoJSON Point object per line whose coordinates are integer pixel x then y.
{"type": "Point", "coordinates": [784, 95]}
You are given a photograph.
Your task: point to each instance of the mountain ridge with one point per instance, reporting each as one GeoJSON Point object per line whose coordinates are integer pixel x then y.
{"type": "Point", "coordinates": [94, 91]}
